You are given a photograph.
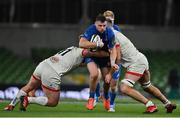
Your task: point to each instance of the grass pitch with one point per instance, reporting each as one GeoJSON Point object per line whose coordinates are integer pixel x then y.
{"type": "Point", "coordinates": [77, 109]}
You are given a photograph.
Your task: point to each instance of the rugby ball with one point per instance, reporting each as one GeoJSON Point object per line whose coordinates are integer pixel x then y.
{"type": "Point", "coordinates": [95, 38]}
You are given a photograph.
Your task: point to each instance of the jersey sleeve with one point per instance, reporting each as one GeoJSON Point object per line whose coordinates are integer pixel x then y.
{"type": "Point", "coordinates": [117, 28]}
{"type": "Point", "coordinates": [88, 33]}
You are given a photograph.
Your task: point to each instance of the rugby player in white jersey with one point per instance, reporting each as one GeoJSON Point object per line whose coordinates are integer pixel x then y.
{"type": "Point", "coordinates": [48, 74]}
{"type": "Point", "coordinates": [137, 71]}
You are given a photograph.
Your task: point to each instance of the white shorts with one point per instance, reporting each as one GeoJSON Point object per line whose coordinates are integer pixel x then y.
{"type": "Point", "coordinates": [48, 76]}
{"type": "Point", "coordinates": [138, 67]}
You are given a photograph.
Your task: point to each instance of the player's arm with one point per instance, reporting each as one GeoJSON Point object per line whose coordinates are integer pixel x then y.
{"type": "Point", "coordinates": [84, 43]}
{"type": "Point", "coordinates": [118, 50]}
{"type": "Point", "coordinates": [117, 64]}
{"type": "Point", "coordinates": [111, 71]}
{"type": "Point", "coordinates": [85, 38]}
{"type": "Point", "coordinates": [113, 55]}
{"type": "Point", "coordinates": [114, 65]}
{"type": "Point", "coordinates": [112, 47]}
{"type": "Point", "coordinates": [100, 53]}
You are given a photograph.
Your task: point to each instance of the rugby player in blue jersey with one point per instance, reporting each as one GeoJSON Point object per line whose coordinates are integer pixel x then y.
{"type": "Point", "coordinates": [108, 44]}
{"type": "Point", "coordinates": [113, 85]}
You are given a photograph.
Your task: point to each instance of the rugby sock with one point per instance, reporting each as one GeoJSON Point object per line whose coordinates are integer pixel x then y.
{"type": "Point", "coordinates": [106, 95]}
{"type": "Point", "coordinates": [17, 98]}
{"type": "Point", "coordinates": [149, 103]}
{"type": "Point", "coordinates": [38, 100]}
{"type": "Point", "coordinates": [91, 94]}
{"type": "Point", "coordinates": [167, 102]}
{"type": "Point", "coordinates": [112, 97]}
{"type": "Point", "coordinates": [98, 90]}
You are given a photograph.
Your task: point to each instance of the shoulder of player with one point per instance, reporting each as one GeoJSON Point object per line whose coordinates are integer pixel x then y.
{"type": "Point", "coordinates": [92, 27]}
{"type": "Point", "coordinates": [110, 31]}
{"type": "Point", "coordinates": [116, 27]}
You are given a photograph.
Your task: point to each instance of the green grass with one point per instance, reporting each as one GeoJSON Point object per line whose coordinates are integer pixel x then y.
{"type": "Point", "coordinates": [77, 109]}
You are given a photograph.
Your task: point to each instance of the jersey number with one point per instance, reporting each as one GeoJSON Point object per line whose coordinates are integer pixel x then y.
{"type": "Point", "coordinates": [63, 52]}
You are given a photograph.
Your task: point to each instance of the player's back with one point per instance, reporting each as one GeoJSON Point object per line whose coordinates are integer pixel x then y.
{"type": "Point", "coordinates": [65, 60]}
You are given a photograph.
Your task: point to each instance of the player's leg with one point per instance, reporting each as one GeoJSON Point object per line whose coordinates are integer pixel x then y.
{"type": "Point", "coordinates": [106, 86]}
{"type": "Point", "coordinates": [113, 88]}
{"type": "Point", "coordinates": [148, 87]}
{"type": "Point", "coordinates": [93, 71]}
{"type": "Point", "coordinates": [32, 84]}
{"type": "Point", "coordinates": [32, 93]}
{"type": "Point", "coordinates": [98, 89]}
{"type": "Point", "coordinates": [126, 87]}
{"type": "Point", "coordinates": [98, 84]}
{"type": "Point", "coordinates": [50, 99]}
{"type": "Point", "coordinates": [50, 82]}
{"type": "Point", "coordinates": [134, 72]}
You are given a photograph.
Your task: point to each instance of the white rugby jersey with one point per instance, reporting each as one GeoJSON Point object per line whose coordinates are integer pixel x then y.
{"type": "Point", "coordinates": [129, 53]}
{"type": "Point", "coordinates": [66, 60]}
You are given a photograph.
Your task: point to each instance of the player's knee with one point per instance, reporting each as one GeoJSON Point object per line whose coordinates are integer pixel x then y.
{"type": "Point", "coordinates": [94, 76]}
{"type": "Point", "coordinates": [52, 103]}
{"type": "Point", "coordinates": [124, 88]}
{"type": "Point", "coordinates": [146, 85]}
{"type": "Point", "coordinates": [128, 82]}
{"type": "Point", "coordinates": [113, 88]}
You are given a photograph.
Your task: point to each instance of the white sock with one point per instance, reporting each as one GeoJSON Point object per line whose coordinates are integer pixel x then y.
{"type": "Point", "coordinates": [167, 102]}
{"type": "Point", "coordinates": [17, 98]}
{"type": "Point", "coordinates": [112, 106]}
{"type": "Point", "coordinates": [149, 103]}
{"type": "Point", "coordinates": [38, 100]}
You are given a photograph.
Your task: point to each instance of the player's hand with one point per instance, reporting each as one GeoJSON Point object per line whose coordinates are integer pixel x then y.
{"type": "Point", "coordinates": [115, 67]}
{"type": "Point", "coordinates": [108, 78]}
{"type": "Point", "coordinates": [99, 44]}
{"type": "Point", "coordinates": [85, 52]}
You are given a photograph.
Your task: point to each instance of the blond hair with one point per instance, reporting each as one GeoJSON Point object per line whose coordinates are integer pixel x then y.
{"type": "Point", "coordinates": [109, 13]}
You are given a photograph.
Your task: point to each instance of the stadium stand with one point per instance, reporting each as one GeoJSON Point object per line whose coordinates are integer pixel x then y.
{"type": "Point", "coordinates": [14, 70]}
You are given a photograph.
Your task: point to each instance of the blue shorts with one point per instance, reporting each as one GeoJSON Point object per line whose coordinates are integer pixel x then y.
{"type": "Point", "coordinates": [101, 62]}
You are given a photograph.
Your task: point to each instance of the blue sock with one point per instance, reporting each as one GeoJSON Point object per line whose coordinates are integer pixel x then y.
{"type": "Point", "coordinates": [106, 95]}
{"type": "Point", "coordinates": [91, 94]}
{"type": "Point", "coordinates": [112, 97]}
{"type": "Point", "coordinates": [98, 89]}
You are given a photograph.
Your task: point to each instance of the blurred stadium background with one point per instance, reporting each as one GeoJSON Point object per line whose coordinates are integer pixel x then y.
{"type": "Point", "coordinates": [31, 30]}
